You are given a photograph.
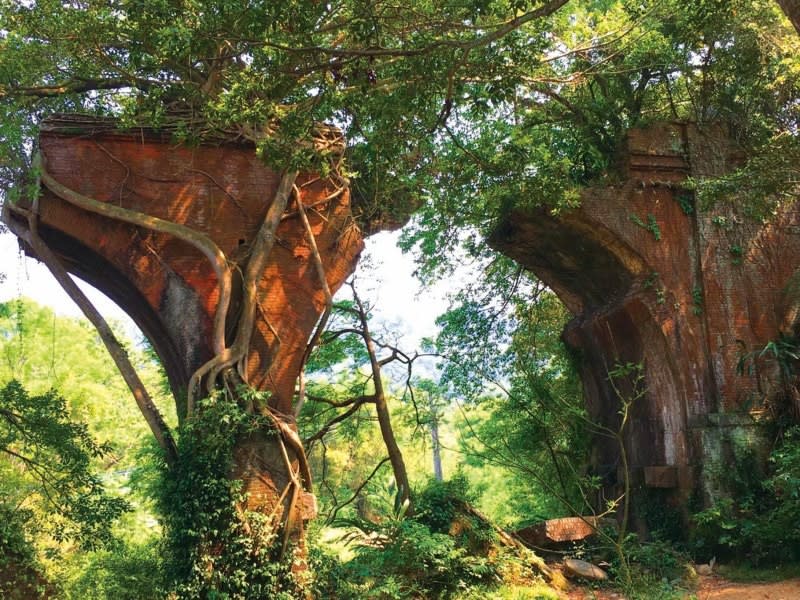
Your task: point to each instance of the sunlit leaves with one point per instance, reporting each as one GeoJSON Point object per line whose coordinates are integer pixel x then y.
{"type": "Point", "coordinates": [55, 453]}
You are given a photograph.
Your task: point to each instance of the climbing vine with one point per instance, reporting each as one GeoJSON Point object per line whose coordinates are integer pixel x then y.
{"type": "Point", "coordinates": [214, 544]}
{"type": "Point", "coordinates": [219, 552]}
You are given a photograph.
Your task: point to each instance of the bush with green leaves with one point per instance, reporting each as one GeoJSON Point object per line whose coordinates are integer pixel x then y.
{"type": "Point", "coordinates": [444, 549]}
{"type": "Point", "coordinates": [439, 502]}
{"type": "Point", "coordinates": [21, 575]}
{"type": "Point", "coordinates": [49, 490]}
{"type": "Point", "coordinates": [758, 524]}
{"type": "Point", "coordinates": [126, 571]}
{"type": "Point", "coordinates": [54, 455]}
{"type": "Point", "coordinates": [405, 559]}
{"type": "Point", "coordinates": [202, 509]}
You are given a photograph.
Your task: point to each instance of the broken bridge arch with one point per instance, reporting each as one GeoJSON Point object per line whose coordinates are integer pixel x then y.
{"type": "Point", "coordinates": [649, 278]}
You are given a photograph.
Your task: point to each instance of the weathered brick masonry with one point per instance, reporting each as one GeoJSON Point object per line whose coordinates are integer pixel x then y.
{"type": "Point", "coordinates": [167, 286]}
{"type": "Point", "coordinates": [648, 276]}
{"type": "Point", "coordinates": [652, 279]}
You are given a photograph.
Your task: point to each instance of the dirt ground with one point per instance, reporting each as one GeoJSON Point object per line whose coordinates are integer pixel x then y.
{"type": "Point", "coordinates": [712, 588]}
{"type": "Point", "coordinates": [715, 588]}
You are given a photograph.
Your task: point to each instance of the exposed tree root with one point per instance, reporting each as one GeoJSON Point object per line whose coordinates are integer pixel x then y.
{"type": "Point", "coordinates": [323, 321]}
{"type": "Point", "coordinates": [262, 246]}
{"type": "Point", "coordinates": [196, 239]}
{"type": "Point", "coordinates": [143, 400]}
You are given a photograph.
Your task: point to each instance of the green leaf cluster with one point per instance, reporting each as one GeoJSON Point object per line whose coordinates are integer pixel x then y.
{"type": "Point", "coordinates": [213, 547]}
{"type": "Point", "coordinates": [438, 552]}
{"type": "Point", "coordinates": [38, 439]}
{"type": "Point", "coordinates": [756, 524]}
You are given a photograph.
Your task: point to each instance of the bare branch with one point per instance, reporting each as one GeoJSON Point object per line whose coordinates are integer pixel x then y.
{"type": "Point", "coordinates": [338, 507]}
{"type": "Point", "coordinates": [356, 404]}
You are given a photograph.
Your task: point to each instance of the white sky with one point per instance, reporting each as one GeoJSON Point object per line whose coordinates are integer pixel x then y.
{"type": "Point", "coordinates": [400, 304]}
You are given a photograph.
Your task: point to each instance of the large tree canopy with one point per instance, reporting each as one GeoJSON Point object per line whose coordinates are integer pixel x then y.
{"type": "Point", "coordinates": [526, 96]}
{"type": "Point", "coordinates": [550, 120]}
{"type": "Point", "coordinates": [474, 103]}
{"type": "Point", "coordinates": [262, 70]}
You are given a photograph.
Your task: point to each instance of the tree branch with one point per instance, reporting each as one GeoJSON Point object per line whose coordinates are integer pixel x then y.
{"type": "Point", "coordinates": [323, 280]}
{"type": "Point", "coordinates": [355, 405]}
{"type": "Point", "coordinates": [77, 86]}
{"type": "Point", "coordinates": [338, 507]}
{"type": "Point", "coordinates": [143, 400]}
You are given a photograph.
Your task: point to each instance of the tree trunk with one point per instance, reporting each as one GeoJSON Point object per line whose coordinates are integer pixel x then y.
{"type": "Point", "coordinates": [382, 410]}
{"type": "Point", "coordinates": [792, 10]}
{"type": "Point", "coordinates": [437, 450]}
{"type": "Point", "coordinates": [260, 465]}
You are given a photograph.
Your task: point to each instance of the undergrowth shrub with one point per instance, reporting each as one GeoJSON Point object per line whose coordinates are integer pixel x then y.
{"type": "Point", "coordinates": [439, 551]}
{"type": "Point", "coordinates": [125, 572]}
{"type": "Point", "coordinates": [446, 507]}
{"type": "Point", "coordinates": [759, 523]}
{"type": "Point", "coordinates": [21, 575]}
{"type": "Point", "coordinates": [214, 549]}
{"type": "Point", "coordinates": [418, 563]}
{"type": "Point", "coordinates": [330, 576]}
{"type": "Point", "coordinates": [660, 560]}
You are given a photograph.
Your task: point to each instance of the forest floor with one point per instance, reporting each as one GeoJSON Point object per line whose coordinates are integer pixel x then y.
{"type": "Point", "coordinates": [711, 588]}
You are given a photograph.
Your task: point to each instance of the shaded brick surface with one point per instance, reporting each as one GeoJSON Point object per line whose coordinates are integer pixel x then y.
{"type": "Point", "coordinates": [652, 280]}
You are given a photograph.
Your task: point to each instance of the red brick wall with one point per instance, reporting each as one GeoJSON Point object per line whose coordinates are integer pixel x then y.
{"type": "Point", "coordinates": [167, 286]}
{"type": "Point", "coordinates": [685, 305]}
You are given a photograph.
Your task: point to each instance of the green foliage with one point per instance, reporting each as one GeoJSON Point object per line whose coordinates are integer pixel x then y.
{"type": "Point", "coordinates": [758, 522]}
{"type": "Point", "coordinates": [776, 365]}
{"type": "Point", "coordinates": [439, 502]}
{"type": "Point", "coordinates": [213, 547]}
{"type": "Point", "coordinates": [465, 110]}
{"type": "Point", "coordinates": [686, 201]}
{"type": "Point", "coordinates": [737, 252]}
{"type": "Point", "coordinates": [331, 578]}
{"type": "Point", "coordinates": [414, 562]}
{"type": "Point", "coordinates": [760, 188]}
{"type": "Point", "coordinates": [697, 300]}
{"type": "Point", "coordinates": [126, 571]}
{"type": "Point", "coordinates": [651, 225]}
{"type": "Point", "coordinates": [652, 570]}
{"type": "Point", "coordinates": [664, 519]}
{"type": "Point", "coordinates": [21, 574]}
{"type": "Point", "coordinates": [528, 591]}
{"type": "Point", "coordinates": [657, 560]}
{"type": "Point", "coordinates": [45, 351]}
{"type": "Point", "coordinates": [38, 439]}
{"type": "Point", "coordinates": [438, 552]}
{"type": "Point", "coordinates": [50, 494]}
{"type": "Point", "coordinates": [546, 127]}
{"type": "Point", "coordinates": [436, 117]}
{"type": "Point", "coordinates": [522, 413]}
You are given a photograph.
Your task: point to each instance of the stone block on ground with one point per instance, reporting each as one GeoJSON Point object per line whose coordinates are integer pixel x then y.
{"type": "Point", "coordinates": [580, 569]}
